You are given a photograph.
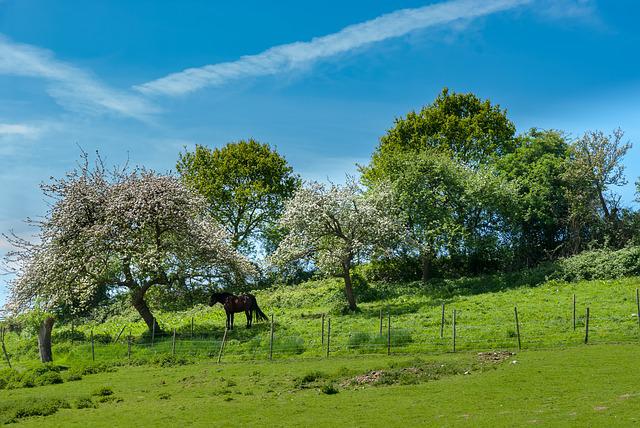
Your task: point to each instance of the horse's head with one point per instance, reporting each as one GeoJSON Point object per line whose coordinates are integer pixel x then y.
{"type": "Point", "coordinates": [218, 298]}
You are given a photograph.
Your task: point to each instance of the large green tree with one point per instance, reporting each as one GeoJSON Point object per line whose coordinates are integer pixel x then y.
{"type": "Point", "coordinates": [537, 167]}
{"type": "Point", "coordinates": [469, 129]}
{"type": "Point", "coordinates": [440, 161]}
{"type": "Point", "coordinates": [245, 183]}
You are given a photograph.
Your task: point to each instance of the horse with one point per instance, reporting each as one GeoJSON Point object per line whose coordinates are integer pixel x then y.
{"type": "Point", "coordinates": [233, 304]}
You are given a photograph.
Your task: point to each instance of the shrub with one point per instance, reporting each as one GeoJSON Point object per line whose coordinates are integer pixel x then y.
{"type": "Point", "coordinates": [43, 407]}
{"type": "Point", "coordinates": [103, 391]}
{"type": "Point", "coordinates": [329, 389]}
{"type": "Point", "coordinates": [599, 264]}
{"type": "Point", "coordinates": [84, 403]}
{"type": "Point", "coordinates": [48, 378]}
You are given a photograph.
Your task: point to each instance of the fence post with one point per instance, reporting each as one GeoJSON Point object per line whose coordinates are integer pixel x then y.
{"type": "Point", "coordinates": [388, 333]}
{"type": "Point", "coordinates": [454, 330]}
{"type": "Point", "coordinates": [638, 305]}
{"type": "Point", "coordinates": [120, 334]}
{"type": "Point", "coordinates": [515, 311]}
{"type": "Point", "coordinates": [586, 332]}
{"type": "Point", "coordinates": [173, 343]}
{"type": "Point", "coordinates": [271, 338]}
{"type": "Point", "coordinates": [153, 331]}
{"type": "Point", "coordinates": [328, 336]}
{"type": "Point", "coordinates": [4, 349]}
{"type": "Point", "coordinates": [574, 311]}
{"type": "Point", "coordinates": [129, 346]}
{"type": "Point", "coordinates": [442, 323]}
{"type": "Point", "coordinates": [224, 338]}
{"type": "Point", "coordinates": [380, 322]}
{"type": "Point", "coordinates": [322, 331]}
{"type": "Point", "coordinates": [93, 352]}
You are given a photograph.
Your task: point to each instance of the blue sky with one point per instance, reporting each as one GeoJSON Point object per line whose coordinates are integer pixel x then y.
{"type": "Point", "coordinates": [321, 81]}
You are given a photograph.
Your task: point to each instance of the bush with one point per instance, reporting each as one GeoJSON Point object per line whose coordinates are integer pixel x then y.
{"type": "Point", "coordinates": [84, 403]}
{"type": "Point", "coordinates": [43, 407]}
{"type": "Point", "coordinates": [599, 264]}
{"type": "Point", "coordinates": [48, 378]}
{"type": "Point", "coordinates": [103, 391]}
{"type": "Point", "coordinates": [329, 389]}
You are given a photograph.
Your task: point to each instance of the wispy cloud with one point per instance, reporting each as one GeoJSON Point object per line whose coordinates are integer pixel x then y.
{"type": "Point", "coordinates": [72, 87]}
{"type": "Point", "coordinates": [294, 55]}
{"type": "Point", "coordinates": [13, 129]}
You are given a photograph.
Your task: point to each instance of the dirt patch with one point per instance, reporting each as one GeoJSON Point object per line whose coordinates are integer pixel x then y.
{"type": "Point", "coordinates": [494, 357]}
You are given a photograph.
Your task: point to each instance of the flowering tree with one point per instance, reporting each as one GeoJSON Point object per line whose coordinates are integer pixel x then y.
{"type": "Point", "coordinates": [125, 230]}
{"type": "Point", "coordinates": [334, 226]}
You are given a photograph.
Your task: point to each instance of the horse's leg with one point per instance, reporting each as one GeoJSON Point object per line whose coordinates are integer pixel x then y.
{"type": "Point", "coordinates": [232, 315]}
{"type": "Point", "coordinates": [248, 315]}
{"type": "Point", "coordinates": [228, 321]}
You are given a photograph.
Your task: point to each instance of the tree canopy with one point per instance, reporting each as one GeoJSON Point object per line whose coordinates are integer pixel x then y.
{"type": "Point", "coordinates": [245, 184]}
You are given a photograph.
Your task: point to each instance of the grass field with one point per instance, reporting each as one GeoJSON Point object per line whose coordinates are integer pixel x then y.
{"type": "Point", "coordinates": [589, 385]}
{"type": "Point", "coordinates": [484, 321]}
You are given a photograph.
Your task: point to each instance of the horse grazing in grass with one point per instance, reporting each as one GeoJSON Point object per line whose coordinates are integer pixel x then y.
{"type": "Point", "coordinates": [233, 304]}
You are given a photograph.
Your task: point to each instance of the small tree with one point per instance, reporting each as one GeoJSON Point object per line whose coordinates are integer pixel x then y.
{"type": "Point", "coordinates": [334, 226]}
{"type": "Point", "coordinates": [124, 230]}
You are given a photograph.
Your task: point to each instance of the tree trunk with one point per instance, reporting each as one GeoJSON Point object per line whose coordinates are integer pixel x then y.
{"type": "Point", "coordinates": [426, 266]}
{"type": "Point", "coordinates": [348, 288]}
{"type": "Point", "coordinates": [44, 340]}
{"type": "Point", "coordinates": [141, 306]}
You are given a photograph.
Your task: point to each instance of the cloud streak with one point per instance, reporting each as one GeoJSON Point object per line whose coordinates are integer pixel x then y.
{"type": "Point", "coordinates": [291, 56]}
{"type": "Point", "coordinates": [71, 87]}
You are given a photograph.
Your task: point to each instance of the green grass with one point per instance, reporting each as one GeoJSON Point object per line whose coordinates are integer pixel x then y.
{"type": "Point", "coordinates": [588, 385]}
{"type": "Point", "coordinates": [485, 321]}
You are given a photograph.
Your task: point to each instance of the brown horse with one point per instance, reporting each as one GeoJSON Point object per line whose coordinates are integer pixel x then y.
{"type": "Point", "coordinates": [233, 304]}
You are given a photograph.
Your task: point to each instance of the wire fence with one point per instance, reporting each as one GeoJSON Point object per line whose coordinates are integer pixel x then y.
{"type": "Point", "coordinates": [451, 330]}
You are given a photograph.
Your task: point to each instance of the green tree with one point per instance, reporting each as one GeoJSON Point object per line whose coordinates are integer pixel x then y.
{"type": "Point", "coordinates": [595, 168]}
{"type": "Point", "coordinates": [440, 163]}
{"type": "Point", "coordinates": [539, 220]}
{"type": "Point", "coordinates": [470, 130]}
{"type": "Point", "coordinates": [245, 183]}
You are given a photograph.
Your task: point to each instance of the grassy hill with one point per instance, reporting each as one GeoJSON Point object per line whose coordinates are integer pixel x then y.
{"type": "Point", "coordinates": [484, 321]}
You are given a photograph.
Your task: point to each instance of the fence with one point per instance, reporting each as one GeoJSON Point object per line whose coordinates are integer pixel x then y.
{"type": "Point", "coordinates": [452, 330]}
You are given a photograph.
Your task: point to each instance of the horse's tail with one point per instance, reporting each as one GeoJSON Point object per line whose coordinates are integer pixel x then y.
{"type": "Point", "coordinates": [260, 316]}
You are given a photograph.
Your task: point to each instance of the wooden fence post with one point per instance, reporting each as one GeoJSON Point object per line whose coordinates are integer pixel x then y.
{"type": "Point", "coordinates": [4, 349]}
{"type": "Point", "coordinates": [271, 339]}
{"type": "Point", "coordinates": [120, 334]}
{"type": "Point", "coordinates": [328, 336]}
{"type": "Point", "coordinates": [586, 331]}
{"type": "Point", "coordinates": [129, 346]}
{"type": "Point", "coordinates": [322, 331]}
{"type": "Point", "coordinates": [388, 333]}
{"type": "Point", "coordinates": [574, 311]}
{"type": "Point", "coordinates": [638, 305]}
{"type": "Point", "coordinates": [224, 338]}
{"type": "Point", "coordinates": [93, 352]}
{"type": "Point", "coordinates": [153, 332]}
{"type": "Point", "coordinates": [173, 343]}
{"type": "Point", "coordinates": [454, 330]}
{"type": "Point", "coordinates": [442, 323]}
{"type": "Point", "coordinates": [515, 311]}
